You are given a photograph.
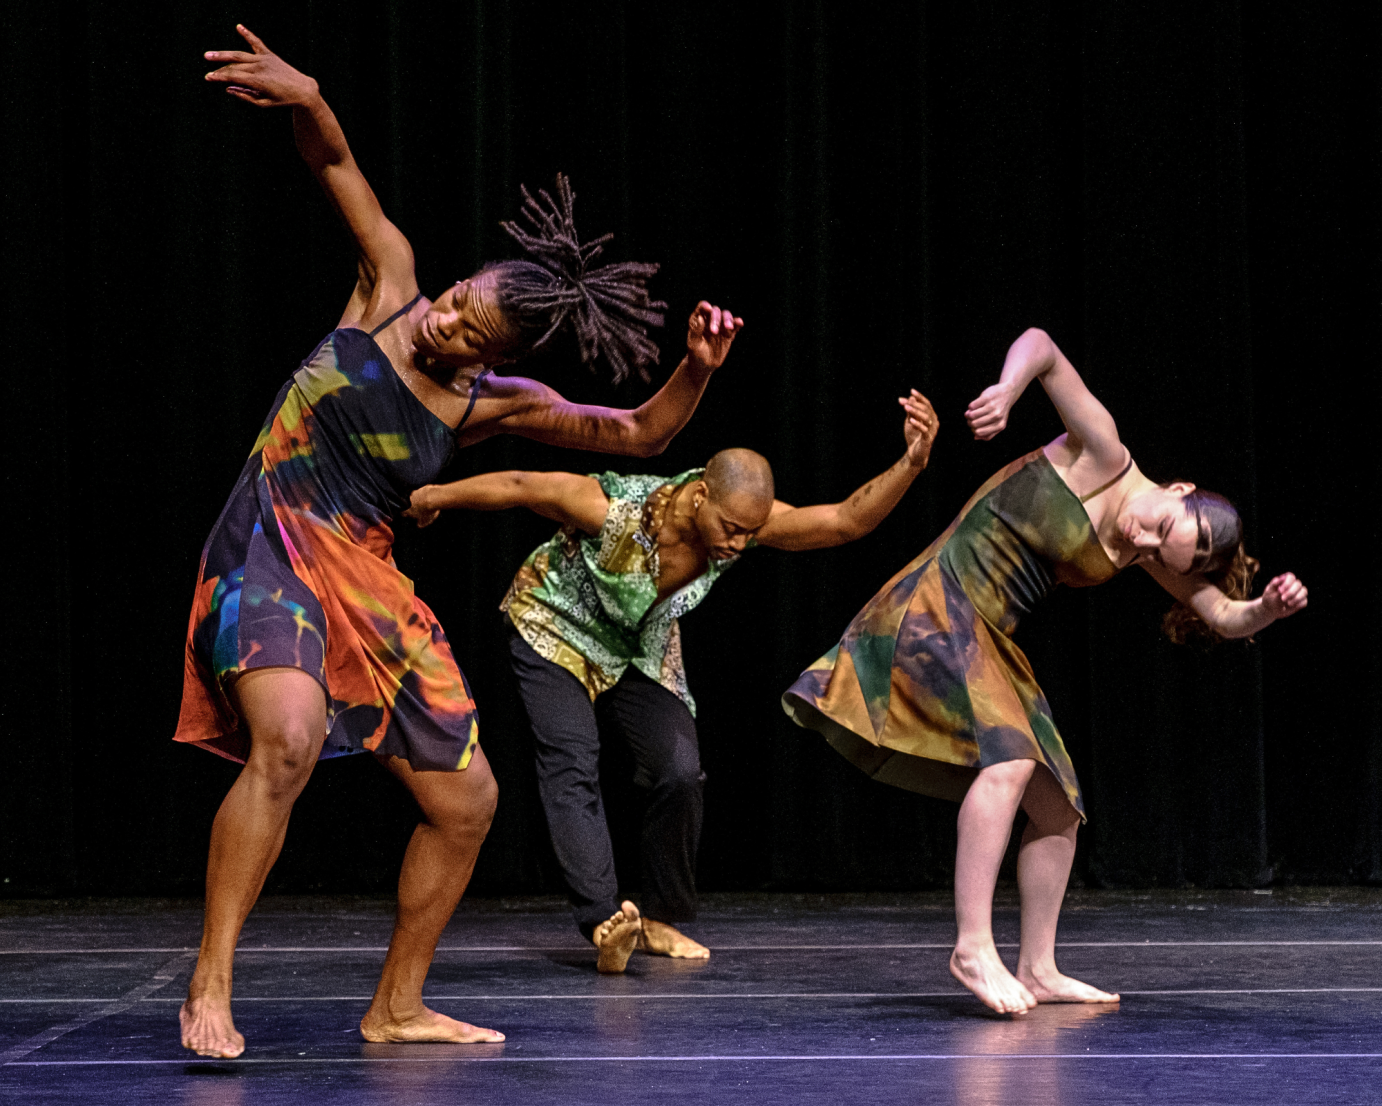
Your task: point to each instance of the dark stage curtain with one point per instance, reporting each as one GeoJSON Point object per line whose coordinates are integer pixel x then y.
{"type": "Point", "coordinates": [1185, 196]}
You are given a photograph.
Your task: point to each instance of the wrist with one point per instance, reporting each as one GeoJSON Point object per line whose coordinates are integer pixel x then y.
{"type": "Point", "coordinates": [309, 96]}
{"type": "Point", "coordinates": [696, 367]}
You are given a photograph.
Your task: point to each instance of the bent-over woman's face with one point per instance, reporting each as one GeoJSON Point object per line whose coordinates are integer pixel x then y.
{"type": "Point", "coordinates": [1158, 525]}
{"type": "Point", "coordinates": [464, 326]}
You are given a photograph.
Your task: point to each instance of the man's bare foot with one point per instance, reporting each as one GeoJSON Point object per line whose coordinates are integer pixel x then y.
{"type": "Point", "coordinates": [660, 939]}
{"type": "Point", "coordinates": [616, 938]}
{"type": "Point", "coordinates": [207, 1028]}
{"type": "Point", "coordinates": [996, 987]}
{"type": "Point", "coordinates": [1051, 986]}
{"type": "Point", "coordinates": [379, 1027]}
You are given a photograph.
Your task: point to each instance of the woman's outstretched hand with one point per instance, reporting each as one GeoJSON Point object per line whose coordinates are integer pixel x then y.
{"type": "Point", "coordinates": [709, 335]}
{"type": "Point", "coordinates": [1284, 595]}
{"type": "Point", "coordinates": [260, 77]}
{"type": "Point", "coordinates": [418, 509]}
{"type": "Point", "coordinates": [919, 428]}
{"type": "Point", "coordinates": [988, 414]}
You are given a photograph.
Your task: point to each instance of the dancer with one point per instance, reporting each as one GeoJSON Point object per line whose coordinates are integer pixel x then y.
{"type": "Point", "coordinates": [927, 691]}
{"type": "Point", "coordinates": [303, 627]}
{"type": "Point", "coordinates": [594, 640]}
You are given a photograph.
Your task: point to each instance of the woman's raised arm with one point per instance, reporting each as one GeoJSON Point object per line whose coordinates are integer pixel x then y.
{"type": "Point", "coordinates": [1090, 429]}
{"type": "Point", "coordinates": [260, 77]}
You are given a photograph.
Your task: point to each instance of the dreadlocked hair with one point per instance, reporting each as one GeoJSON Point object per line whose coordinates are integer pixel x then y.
{"type": "Point", "coordinates": [607, 308]}
{"type": "Point", "coordinates": [1219, 557]}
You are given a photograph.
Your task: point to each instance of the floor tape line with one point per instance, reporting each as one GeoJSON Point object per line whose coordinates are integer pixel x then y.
{"type": "Point", "coordinates": [717, 1058]}
{"type": "Point", "coordinates": [283, 949]}
{"type": "Point", "coordinates": [701, 996]}
{"type": "Point", "coordinates": [164, 976]}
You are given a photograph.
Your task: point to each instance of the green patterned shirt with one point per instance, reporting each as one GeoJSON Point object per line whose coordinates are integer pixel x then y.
{"type": "Point", "coordinates": [590, 604]}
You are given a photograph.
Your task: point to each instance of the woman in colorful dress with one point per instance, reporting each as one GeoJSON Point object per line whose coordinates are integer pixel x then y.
{"type": "Point", "coordinates": [927, 691]}
{"type": "Point", "coordinates": [305, 640]}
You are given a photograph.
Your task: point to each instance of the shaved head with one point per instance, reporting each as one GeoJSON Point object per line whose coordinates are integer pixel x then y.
{"type": "Point", "coordinates": [739, 472]}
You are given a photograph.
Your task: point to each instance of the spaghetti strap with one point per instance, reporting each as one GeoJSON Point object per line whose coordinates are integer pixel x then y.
{"type": "Point", "coordinates": [396, 315]}
{"type": "Point", "coordinates": [474, 395]}
{"type": "Point", "coordinates": [1105, 487]}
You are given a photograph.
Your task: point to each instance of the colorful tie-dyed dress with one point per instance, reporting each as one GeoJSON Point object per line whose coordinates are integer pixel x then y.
{"type": "Point", "coordinates": [299, 570]}
{"type": "Point", "coordinates": [926, 686]}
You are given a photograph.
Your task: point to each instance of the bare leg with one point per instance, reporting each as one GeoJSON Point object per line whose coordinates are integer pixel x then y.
{"type": "Point", "coordinates": [616, 938]}
{"type": "Point", "coordinates": [285, 712]}
{"type": "Point", "coordinates": [660, 939]}
{"type": "Point", "coordinates": [985, 824]}
{"type": "Point", "coordinates": [1043, 870]}
{"type": "Point", "coordinates": [457, 808]}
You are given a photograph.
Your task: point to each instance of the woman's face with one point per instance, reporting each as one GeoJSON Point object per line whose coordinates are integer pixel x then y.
{"type": "Point", "coordinates": [464, 325]}
{"type": "Point", "coordinates": [1157, 524]}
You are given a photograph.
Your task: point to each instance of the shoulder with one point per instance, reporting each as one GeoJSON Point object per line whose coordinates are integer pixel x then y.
{"type": "Point", "coordinates": [636, 488]}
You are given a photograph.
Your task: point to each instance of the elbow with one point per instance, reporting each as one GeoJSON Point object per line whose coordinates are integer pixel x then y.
{"type": "Point", "coordinates": [845, 532]}
{"type": "Point", "coordinates": [641, 443]}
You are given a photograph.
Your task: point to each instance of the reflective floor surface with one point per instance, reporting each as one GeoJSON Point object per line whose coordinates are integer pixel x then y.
{"type": "Point", "coordinates": [1228, 997]}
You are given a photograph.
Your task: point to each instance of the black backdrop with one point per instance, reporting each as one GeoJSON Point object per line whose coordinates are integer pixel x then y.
{"type": "Point", "coordinates": [1185, 196]}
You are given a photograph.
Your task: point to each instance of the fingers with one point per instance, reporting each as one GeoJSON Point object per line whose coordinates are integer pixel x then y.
{"type": "Point", "coordinates": [256, 43]}
{"type": "Point", "coordinates": [228, 56]}
{"type": "Point", "coordinates": [1289, 592]}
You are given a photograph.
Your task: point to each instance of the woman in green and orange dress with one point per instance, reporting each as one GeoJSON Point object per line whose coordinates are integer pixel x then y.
{"type": "Point", "coordinates": [927, 691]}
{"type": "Point", "coordinates": [305, 640]}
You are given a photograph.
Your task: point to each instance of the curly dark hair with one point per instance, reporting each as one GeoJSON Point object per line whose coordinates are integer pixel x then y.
{"type": "Point", "coordinates": [607, 308]}
{"type": "Point", "coordinates": [1219, 557]}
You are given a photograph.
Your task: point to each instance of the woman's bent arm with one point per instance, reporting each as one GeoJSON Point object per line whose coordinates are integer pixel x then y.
{"type": "Point", "coordinates": [1283, 596]}
{"type": "Point", "coordinates": [1089, 426]}
{"type": "Point", "coordinates": [546, 416]}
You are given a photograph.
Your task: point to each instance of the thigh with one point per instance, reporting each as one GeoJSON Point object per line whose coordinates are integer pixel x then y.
{"type": "Point", "coordinates": [284, 710]}
{"type": "Point", "coordinates": [657, 726]}
{"type": "Point", "coordinates": [558, 708]}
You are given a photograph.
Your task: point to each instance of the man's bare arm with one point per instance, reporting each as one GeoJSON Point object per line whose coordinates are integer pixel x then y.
{"type": "Point", "coordinates": [830, 524]}
{"type": "Point", "coordinates": [563, 497]}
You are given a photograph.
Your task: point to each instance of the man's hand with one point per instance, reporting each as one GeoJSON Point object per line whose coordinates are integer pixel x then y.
{"type": "Point", "coordinates": [919, 428]}
{"type": "Point", "coordinates": [988, 414]}
{"type": "Point", "coordinates": [1284, 596]}
{"type": "Point", "coordinates": [261, 77]}
{"type": "Point", "coordinates": [419, 509]}
{"type": "Point", "coordinates": [709, 335]}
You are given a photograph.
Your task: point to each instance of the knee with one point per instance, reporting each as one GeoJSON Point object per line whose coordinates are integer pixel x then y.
{"type": "Point", "coordinates": [1009, 778]}
{"type": "Point", "coordinates": [283, 757]}
{"type": "Point", "coordinates": [680, 777]}
{"type": "Point", "coordinates": [469, 814]}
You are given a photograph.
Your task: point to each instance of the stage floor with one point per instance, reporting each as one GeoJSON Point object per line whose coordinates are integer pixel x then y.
{"type": "Point", "coordinates": [1228, 997]}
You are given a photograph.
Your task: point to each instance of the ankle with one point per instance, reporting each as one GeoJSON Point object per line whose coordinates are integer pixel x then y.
{"type": "Point", "coordinates": [970, 946]}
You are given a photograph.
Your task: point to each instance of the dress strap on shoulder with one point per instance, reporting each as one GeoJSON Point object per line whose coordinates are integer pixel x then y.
{"type": "Point", "coordinates": [1105, 486]}
{"type": "Point", "coordinates": [474, 395]}
{"type": "Point", "coordinates": [396, 315]}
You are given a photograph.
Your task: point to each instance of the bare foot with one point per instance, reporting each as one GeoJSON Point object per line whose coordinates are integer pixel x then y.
{"type": "Point", "coordinates": [996, 987]}
{"type": "Point", "coordinates": [1051, 986]}
{"type": "Point", "coordinates": [617, 937]}
{"type": "Point", "coordinates": [378, 1026]}
{"type": "Point", "coordinates": [208, 1030]}
{"type": "Point", "coordinates": [661, 939]}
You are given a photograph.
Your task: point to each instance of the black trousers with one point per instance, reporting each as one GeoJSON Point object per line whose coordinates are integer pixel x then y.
{"type": "Point", "coordinates": [661, 734]}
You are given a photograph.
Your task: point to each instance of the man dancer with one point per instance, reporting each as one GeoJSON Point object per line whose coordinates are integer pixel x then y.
{"type": "Point", "coordinates": [594, 639]}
